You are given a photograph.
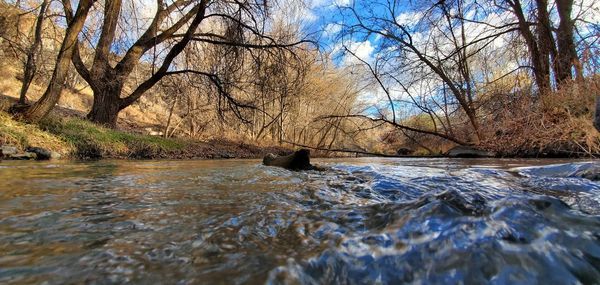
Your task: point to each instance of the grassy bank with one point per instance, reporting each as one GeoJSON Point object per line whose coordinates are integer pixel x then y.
{"type": "Point", "coordinates": [79, 139]}
{"type": "Point", "coordinates": [92, 141]}
{"type": "Point", "coordinates": [23, 135]}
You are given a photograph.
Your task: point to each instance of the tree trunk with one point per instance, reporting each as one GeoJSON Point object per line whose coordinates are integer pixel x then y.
{"type": "Point", "coordinates": [101, 72]}
{"type": "Point", "coordinates": [597, 113]}
{"type": "Point", "coordinates": [471, 114]}
{"type": "Point", "coordinates": [547, 49]}
{"type": "Point", "coordinates": [109, 116]}
{"type": "Point", "coordinates": [106, 106]}
{"type": "Point", "coordinates": [30, 64]}
{"type": "Point", "coordinates": [171, 110]}
{"type": "Point", "coordinates": [539, 72]}
{"type": "Point", "coordinates": [42, 107]}
{"type": "Point", "coordinates": [567, 55]}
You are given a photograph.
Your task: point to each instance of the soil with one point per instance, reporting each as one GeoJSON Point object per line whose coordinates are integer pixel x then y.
{"type": "Point", "coordinates": [217, 149]}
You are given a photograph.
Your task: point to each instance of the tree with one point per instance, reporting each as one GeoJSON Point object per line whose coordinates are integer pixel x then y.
{"type": "Point", "coordinates": [173, 27]}
{"type": "Point", "coordinates": [567, 59]}
{"type": "Point", "coordinates": [546, 50]}
{"type": "Point", "coordinates": [539, 47]}
{"type": "Point", "coordinates": [267, 95]}
{"type": "Point", "coordinates": [63, 61]}
{"type": "Point", "coordinates": [425, 44]}
{"type": "Point", "coordinates": [32, 54]}
{"type": "Point", "coordinates": [106, 81]}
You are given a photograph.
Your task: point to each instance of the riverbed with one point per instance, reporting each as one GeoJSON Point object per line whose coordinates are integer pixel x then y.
{"type": "Point", "coordinates": [362, 221]}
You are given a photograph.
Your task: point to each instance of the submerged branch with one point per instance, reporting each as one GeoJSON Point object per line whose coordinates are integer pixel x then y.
{"type": "Point", "coordinates": [400, 126]}
{"type": "Point", "coordinates": [341, 150]}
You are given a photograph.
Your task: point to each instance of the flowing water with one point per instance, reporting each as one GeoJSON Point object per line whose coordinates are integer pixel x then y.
{"type": "Point", "coordinates": [363, 221]}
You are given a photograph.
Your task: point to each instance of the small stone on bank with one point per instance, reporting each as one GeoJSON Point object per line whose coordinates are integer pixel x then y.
{"type": "Point", "coordinates": [22, 156]}
{"type": "Point", "coordinates": [8, 150]}
{"type": "Point", "coordinates": [468, 152]}
{"type": "Point", "coordinates": [41, 154]}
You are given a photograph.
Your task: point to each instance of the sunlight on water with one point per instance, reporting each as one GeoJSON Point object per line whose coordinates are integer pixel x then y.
{"type": "Point", "coordinates": [363, 221]}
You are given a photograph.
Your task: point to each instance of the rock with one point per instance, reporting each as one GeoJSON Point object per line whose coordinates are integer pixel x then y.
{"type": "Point", "coordinates": [404, 151]}
{"type": "Point", "coordinates": [591, 175]}
{"type": "Point", "coordinates": [589, 171]}
{"type": "Point", "coordinates": [55, 155]}
{"type": "Point", "coordinates": [11, 152]}
{"type": "Point", "coordinates": [226, 155]}
{"type": "Point", "coordinates": [299, 160]}
{"type": "Point", "coordinates": [8, 150]}
{"type": "Point", "coordinates": [22, 156]}
{"type": "Point", "coordinates": [41, 154]}
{"type": "Point", "coordinates": [467, 151]}
{"type": "Point", "coordinates": [152, 132]}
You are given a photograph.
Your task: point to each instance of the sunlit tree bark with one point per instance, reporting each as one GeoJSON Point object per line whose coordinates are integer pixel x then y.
{"type": "Point", "coordinates": [63, 61]}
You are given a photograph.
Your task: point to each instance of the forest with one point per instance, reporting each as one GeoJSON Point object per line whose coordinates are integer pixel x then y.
{"type": "Point", "coordinates": [514, 77]}
{"type": "Point", "coordinates": [299, 142]}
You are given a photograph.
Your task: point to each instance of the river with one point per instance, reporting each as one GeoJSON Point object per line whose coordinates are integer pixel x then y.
{"type": "Point", "coordinates": [364, 221]}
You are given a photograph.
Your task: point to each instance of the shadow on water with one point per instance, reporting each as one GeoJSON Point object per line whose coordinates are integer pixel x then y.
{"type": "Point", "coordinates": [364, 221]}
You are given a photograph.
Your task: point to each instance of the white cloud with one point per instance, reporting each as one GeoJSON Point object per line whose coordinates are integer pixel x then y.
{"type": "Point", "coordinates": [409, 18]}
{"type": "Point", "coordinates": [328, 3]}
{"type": "Point", "coordinates": [331, 29]}
{"type": "Point", "coordinates": [318, 3]}
{"type": "Point", "coordinates": [342, 3]}
{"type": "Point", "coordinates": [361, 50]}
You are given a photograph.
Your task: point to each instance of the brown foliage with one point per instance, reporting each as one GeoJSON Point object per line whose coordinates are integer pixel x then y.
{"type": "Point", "coordinates": [557, 124]}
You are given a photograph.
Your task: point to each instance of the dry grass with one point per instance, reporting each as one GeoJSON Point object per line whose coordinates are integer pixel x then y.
{"type": "Point", "coordinates": [557, 124]}
{"type": "Point", "coordinates": [24, 135]}
{"type": "Point", "coordinates": [133, 118]}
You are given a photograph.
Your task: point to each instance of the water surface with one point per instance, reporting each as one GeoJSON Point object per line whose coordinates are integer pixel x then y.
{"type": "Point", "coordinates": [364, 221]}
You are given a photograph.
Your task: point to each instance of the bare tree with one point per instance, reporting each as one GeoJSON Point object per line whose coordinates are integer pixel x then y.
{"type": "Point", "coordinates": [549, 47]}
{"type": "Point", "coordinates": [433, 46]}
{"type": "Point", "coordinates": [538, 47]}
{"type": "Point", "coordinates": [567, 55]}
{"type": "Point", "coordinates": [63, 61]}
{"type": "Point", "coordinates": [173, 27]}
{"type": "Point", "coordinates": [106, 81]}
{"type": "Point", "coordinates": [30, 67]}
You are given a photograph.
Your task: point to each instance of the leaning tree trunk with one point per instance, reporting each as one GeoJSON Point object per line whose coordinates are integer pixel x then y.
{"type": "Point", "coordinates": [42, 107]}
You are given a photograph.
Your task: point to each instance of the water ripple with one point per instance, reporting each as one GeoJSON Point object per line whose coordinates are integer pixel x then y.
{"type": "Point", "coordinates": [363, 221]}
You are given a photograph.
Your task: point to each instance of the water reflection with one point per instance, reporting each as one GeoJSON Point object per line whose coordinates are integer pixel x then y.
{"type": "Point", "coordinates": [365, 221]}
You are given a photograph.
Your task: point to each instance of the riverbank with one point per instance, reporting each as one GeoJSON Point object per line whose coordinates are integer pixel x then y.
{"type": "Point", "coordinates": [68, 136]}
{"type": "Point", "coordinates": [75, 138]}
